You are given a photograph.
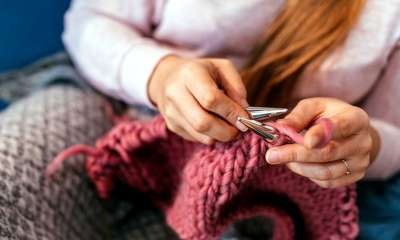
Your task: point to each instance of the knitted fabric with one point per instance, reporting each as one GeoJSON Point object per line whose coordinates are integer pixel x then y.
{"type": "Point", "coordinates": [33, 131]}
{"type": "Point", "coordinates": [204, 189]}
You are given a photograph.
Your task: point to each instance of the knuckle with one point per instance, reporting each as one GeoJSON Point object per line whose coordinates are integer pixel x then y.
{"type": "Point", "coordinates": [293, 156]}
{"type": "Point", "coordinates": [188, 68]}
{"type": "Point", "coordinates": [209, 100]}
{"type": "Point", "coordinates": [362, 116]}
{"type": "Point", "coordinates": [304, 102]}
{"type": "Point", "coordinates": [345, 126]}
{"type": "Point", "coordinates": [309, 103]}
{"type": "Point", "coordinates": [170, 93]}
{"type": "Point", "coordinates": [201, 124]}
{"type": "Point", "coordinates": [226, 62]}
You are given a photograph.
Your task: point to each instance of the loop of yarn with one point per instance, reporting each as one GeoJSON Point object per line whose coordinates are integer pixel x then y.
{"type": "Point", "coordinates": [203, 189]}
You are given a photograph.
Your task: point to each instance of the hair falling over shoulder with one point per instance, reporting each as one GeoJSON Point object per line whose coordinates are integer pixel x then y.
{"type": "Point", "coordinates": [302, 36]}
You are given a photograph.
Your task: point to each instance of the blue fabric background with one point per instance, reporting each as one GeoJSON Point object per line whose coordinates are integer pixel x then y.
{"type": "Point", "coordinates": [379, 204]}
{"type": "Point", "coordinates": [29, 30]}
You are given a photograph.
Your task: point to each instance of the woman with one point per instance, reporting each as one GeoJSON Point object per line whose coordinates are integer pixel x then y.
{"type": "Point", "coordinates": [185, 58]}
{"type": "Point", "coordinates": [199, 63]}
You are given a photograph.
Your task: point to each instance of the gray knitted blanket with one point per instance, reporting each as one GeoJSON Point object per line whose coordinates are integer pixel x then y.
{"type": "Point", "coordinates": [52, 109]}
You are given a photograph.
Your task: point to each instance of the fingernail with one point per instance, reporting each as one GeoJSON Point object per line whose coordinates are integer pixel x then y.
{"type": "Point", "coordinates": [272, 156]}
{"type": "Point", "coordinates": [313, 141]}
{"type": "Point", "coordinates": [241, 126]}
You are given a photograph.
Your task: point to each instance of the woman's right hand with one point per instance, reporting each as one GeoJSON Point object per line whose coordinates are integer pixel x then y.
{"type": "Point", "coordinates": [200, 99]}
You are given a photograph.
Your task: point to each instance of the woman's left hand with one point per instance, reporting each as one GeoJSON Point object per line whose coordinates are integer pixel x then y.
{"type": "Point", "coordinates": [344, 160]}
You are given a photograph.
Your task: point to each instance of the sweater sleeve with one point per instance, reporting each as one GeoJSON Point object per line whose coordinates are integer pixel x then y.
{"type": "Point", "coordinates": [383, 107]}
{"type": "Point", "coordinates": [387, 162]}
{"type": "Point", "coordinates": [111, 44]}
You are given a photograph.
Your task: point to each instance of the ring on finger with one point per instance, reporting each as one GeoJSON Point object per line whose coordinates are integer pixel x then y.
{"type": "Point", "coordinates": [346, 164]}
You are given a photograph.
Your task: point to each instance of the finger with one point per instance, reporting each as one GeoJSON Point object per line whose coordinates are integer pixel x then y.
{"type": "Point", "coordinates": [300, 153]}
{"type": "Point", "coordinates": [198, 136]}
{"type": "Point", "coordinates": [320, 134]}
{"type": "Point", "coordinates": [294, 153]}
{"type": "Point", "coordinates": [349, 123]}
{"type": "Point", "coordinates": [181, 132]}
{"type": "Point", "coordinates": [212, 99]}
{"type": "Point", "coordinates": [303, 114]}
{"type": "Point", "coordinates": [340, 182]}
{"type": "Point", "coordinates": [231, 81]}
{"type": "Point", "coordinates": [331, 170]}
{"type": "Point", "coordinates": [177, 124]}
{"type": "Point", "coordinates": [200, 121]}
{"type": "Point", "coordinates": [334, 150]}
{"type": "Point", "coordinates": [177, 129]}
{"type": "Point", "coordinates": [346, 124]}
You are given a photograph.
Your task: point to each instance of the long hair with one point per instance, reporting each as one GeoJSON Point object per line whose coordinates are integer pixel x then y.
{"type": "Point", "coordinates": [302, 36]}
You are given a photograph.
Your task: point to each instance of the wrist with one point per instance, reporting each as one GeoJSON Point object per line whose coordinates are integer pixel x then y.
{"type": "Point", "coordinates": [160, 73]}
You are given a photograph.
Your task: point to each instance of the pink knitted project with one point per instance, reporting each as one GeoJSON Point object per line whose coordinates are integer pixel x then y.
{"type": "Point", "coordinates": [204, 189]}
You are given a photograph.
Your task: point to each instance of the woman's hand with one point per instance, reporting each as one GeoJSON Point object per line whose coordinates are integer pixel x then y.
{"type": "Point", "coordinates": [199, 99]}
{"type": "Point", "coordinates": [353, 147]}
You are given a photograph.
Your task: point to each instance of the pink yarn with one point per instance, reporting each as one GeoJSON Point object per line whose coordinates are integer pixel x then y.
{"type": "Point", "coordinates": [203, 189]}
{"type": "Point", "coordinates": [289, 135]}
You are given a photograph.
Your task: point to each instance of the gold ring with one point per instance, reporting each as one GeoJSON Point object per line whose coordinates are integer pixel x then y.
{"type": "Point", "coordinates": [346, 164]}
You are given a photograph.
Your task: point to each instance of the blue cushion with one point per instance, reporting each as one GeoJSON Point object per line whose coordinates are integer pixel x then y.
{"type": "Point", "coordinates": [29, 30]}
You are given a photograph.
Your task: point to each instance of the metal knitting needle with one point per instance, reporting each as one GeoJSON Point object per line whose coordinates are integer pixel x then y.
{"type": "Point", "coordinates": [263, 113]}
{"type": "Point", "coordinates": [262, 130]}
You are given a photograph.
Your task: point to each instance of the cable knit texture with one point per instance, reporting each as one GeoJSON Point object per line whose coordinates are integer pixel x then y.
{"type": "Point", "coordinates": [203, 189]}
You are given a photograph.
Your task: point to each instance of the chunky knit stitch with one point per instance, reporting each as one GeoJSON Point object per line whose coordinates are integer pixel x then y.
{"type": "Point", "coordinates": [203, 189]}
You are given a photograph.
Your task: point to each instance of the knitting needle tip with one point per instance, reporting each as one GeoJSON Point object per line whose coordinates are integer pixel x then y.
{"type": "Point", "coordinates": [262, 113]}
